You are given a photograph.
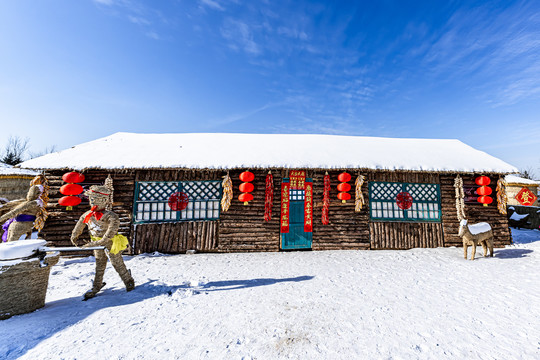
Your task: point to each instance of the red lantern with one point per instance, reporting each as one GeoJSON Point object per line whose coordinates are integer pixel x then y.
{"type": "Point", "coordinates": [247, 176]}
{"type": "Point", "coordinates": [245, 197]}
{"type": "Point", "coordinates": [344, 187]}
{"type": "Point", "coordinates": [344, 177]}
{"type": "Point", "coordinates": [71, 189]}
{"type": "Point", "coordinates": [484, 190]}
{"type": "Point", "coordinates": [486, 200]}
{"type": "Point", "coordinates": [343, 196]}
{"type": "Point", "coordinates": [73, 177]}
{"type": "Point", "coordinates": [482, 180]}
{"type": "Point", "coordinates": [69, 201]}
{"type": "Point", "coordinates": [246, 187]}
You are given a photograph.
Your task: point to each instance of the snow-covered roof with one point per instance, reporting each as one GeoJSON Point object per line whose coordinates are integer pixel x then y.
{"type": "Point", "coordinates": [516, 180]}
{"type": "Point", "coordinates": [229, 151]}
{"type": "Point", "coordinates": [8, 170]}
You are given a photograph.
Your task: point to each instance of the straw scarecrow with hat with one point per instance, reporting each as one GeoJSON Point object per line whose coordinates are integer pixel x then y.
{"type": "Point", "coordinates": [26, 214]}
{"type": "Point", "coordinates": [103, 226]}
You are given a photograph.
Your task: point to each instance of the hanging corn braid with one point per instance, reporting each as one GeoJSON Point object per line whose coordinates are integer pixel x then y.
{"type": "Point", "coordinates": [359, 196]}
{"type": "Point", "coordinates": [109, 185]}
{"type": "Point", "coordinates": [227, 193]}
{"type": "Point", "coordinates": [43, 213]}
{"type": "Point", "coordinates": [502, 199]}
{"type": "Point", "coordinates": [460, 195]}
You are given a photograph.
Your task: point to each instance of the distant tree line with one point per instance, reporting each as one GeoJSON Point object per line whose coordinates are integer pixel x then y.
{"type": "Point", "coordinates": [16, 151]}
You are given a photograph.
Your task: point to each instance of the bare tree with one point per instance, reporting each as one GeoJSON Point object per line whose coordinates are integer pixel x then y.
{"type": "Point", "coordinates": [47, 150]}
{"type": "Point", "coordinates": [15, 150]}
{"type": "Point", "coordinates": [527, 173]}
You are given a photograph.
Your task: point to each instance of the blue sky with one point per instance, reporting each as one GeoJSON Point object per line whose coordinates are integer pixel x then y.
{"type": "Point", "coordinates": [73, 71]}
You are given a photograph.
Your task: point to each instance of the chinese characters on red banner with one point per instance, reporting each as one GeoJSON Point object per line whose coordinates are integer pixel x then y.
{"type": "Point", "coordinates": [284, 220]}
{"type": "Point", "coordinates": [297, 179]}
{"type": "Point", "coordinates": [308, 207]}
{"type": "Point", "coordinates": [526, 197]}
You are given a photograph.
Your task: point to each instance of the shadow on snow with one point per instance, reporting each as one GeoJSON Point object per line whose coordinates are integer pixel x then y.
{"type": "Point", "coordinates": [26, 331]}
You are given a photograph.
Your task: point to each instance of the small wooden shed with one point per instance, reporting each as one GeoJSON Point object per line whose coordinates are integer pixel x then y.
{"type": "Point", "coordinates": [402, 191]}
{"type": "Point", "coordinates": [517, 186]}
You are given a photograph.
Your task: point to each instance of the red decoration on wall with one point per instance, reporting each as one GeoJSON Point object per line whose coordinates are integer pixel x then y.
{"type": "Point", "coordinates": [178, 201]}
{"type": "Point", "coordinates": [297, 179]}
{"type": "Point", "coordinates": [484, 190]}
{"type": "Point", "coordinates": [486, 200]}
{"type": "Point", "coordinates": [308, 207]}
{"type": "Point", "coordinates": [526, 197]}
{"type": "Point", "coordinates": [247, 176]}
{"type": "Point", "coordinates": [482, 180]}
{"type": "Point", "coordinates": [245, 197]}
{"type": "Point", "coordinates": [404, 200]}
{"type": "Point", "coordinates": [344, 187]}
{"type": "Point", "coordinates": [268, 197]}
{"type": "Point", "coordinates": [73, 177]}
{"type": "Point", "coordinates": [69, 201]}
{"type": "Point", "coordinates": [326, 200]}
{"type": "Point", "coordinates": [284, 221]}
{"type": "Point", "coordinates": [344, 177]}
{"type": "Point", "coordinates": [71, 189]}
{"type": "Point", "coordinates": [246, 187]}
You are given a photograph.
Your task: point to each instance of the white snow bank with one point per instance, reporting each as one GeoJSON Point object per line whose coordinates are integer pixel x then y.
{"type": "Point", "coordinates": [19, 249]}
{"type": "Point", "coordinates": [227, 151]}
{"type": "Point", "coordinates": [6, 169]}
{"type": "Point", "coordinates": [294, 305]}
{"type": "Point", "coordinates": [517, 217]}
{"type": "Point", "coordinates": [517, 180]}
{"type": "Point", "coordinates": [478, 228]}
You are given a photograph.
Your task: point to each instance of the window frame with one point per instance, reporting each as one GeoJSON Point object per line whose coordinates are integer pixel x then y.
{"type": "Point", "coordinates": [406, 217]}
{"type": "Point", "coordinates": [180, 187]}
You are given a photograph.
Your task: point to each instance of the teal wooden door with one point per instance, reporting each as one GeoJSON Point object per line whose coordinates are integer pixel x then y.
{"type": "Point", "coordinates": [296, 238]}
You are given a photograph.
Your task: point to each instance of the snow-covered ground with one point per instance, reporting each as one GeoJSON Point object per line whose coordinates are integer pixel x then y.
{"type": "Point", "coordinates": [416, 304]}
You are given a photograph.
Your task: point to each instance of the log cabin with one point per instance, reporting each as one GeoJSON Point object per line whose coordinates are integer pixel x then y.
{"type": "Point", "coordinates": [304, 192]}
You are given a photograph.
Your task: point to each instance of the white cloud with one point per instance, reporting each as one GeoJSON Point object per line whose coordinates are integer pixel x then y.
{"type": "Point", "coordinates": [240, 36]}
{"type": "Point", "coordinates": [213, 4]}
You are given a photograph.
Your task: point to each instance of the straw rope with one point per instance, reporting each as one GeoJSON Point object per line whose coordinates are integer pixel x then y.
{"type": "Point", "coordinates": [43, 213]}
{"type": "Point", "coordinates": [460, 195]}
{"type": "Point", "coordinates": [227, 193]}
{"type": "Point", "coordinates": [359, 202]}
{"type": "Point", "coordinates": [502, 198]}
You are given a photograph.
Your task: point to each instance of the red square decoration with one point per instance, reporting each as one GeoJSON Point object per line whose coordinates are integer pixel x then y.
{"type": "Point", "coordinates": [526, 197]}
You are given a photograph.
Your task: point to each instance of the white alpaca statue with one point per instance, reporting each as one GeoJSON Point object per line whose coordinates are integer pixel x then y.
{"type": "Point", "coordinates": [474, 235]}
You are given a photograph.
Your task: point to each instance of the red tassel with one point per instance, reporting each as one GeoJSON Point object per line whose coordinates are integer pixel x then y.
{"type": "Point", "coordinates": [326, 200]}
{"type": "Point", "coordinates": [268, 197]}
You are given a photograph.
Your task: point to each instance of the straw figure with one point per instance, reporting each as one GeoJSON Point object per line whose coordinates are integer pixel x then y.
{"type": "Point", "coordinates": [20, 219]}
{"type": "Point", "coordinates": [103, 226]}
{"type": "Point", "coordinates": [474, 235]}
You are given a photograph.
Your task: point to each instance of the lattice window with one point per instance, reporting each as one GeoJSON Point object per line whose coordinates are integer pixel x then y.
{"type": "Point", "coordinates": [152, 201]}
{"type": "Point", "coordinates": [404, 202]}
{"type": "Point", "coordinates": [296, 195]}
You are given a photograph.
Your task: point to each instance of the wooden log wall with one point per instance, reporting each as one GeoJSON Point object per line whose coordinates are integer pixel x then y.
{"type": "Point", "coordinates": [174, 238]}
{"type": "Point", "coordinates": [243, 228]}
{"type": "Point", "coordinates": [405, 235]}
{"type": "Point", "coordinates": [475, 212]}
{"type": "Point", "coordinates": [347, 230]}
{"type": "Point", "coordinates": [61, 222]}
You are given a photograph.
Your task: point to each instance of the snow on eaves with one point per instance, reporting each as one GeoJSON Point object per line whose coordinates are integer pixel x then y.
{"type": "Point", "coordinates": [229, 151]}
{"type": "Point", "coordinates": [517, 180]}
{"type": "Point", "coordinates": [8, 170]}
